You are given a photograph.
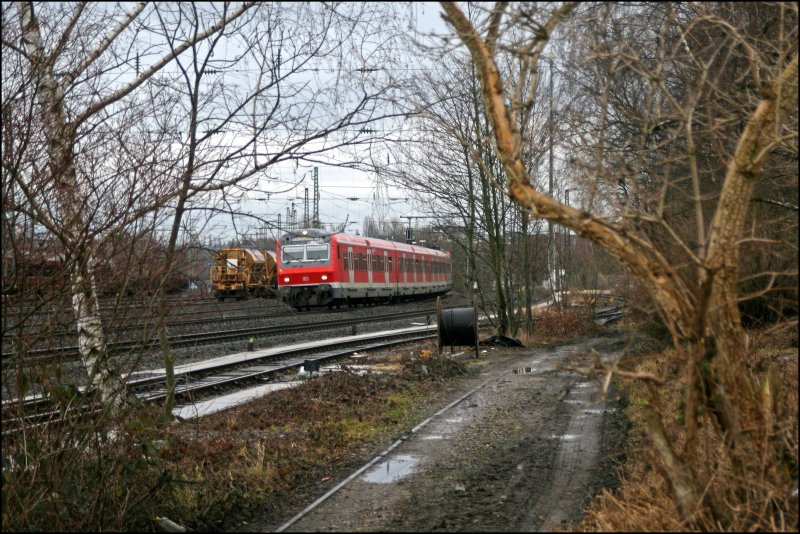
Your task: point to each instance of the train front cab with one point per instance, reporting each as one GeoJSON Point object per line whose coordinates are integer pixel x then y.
{"type": "Point", "coordinates": [306, 269]}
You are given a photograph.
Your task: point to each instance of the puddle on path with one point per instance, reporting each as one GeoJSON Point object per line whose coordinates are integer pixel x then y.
{"type": "Point", "coordinates": [565, 437]}
{"type": "Point", "coordinates": [524, 370]}
{"type": "Point", "coordinates": [392, 470]}
{"type": "Point", "coordinates": [599, 410]}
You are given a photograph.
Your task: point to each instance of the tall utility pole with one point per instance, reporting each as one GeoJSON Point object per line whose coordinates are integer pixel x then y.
{"type": "Point", "coordinates": [305, 210]}
{"type": "Point", "coordinates": [551, 252]}
{"type": "Point", "coordinates": [567, 250]}
{"type": "Point", "coordinates": [316, 222]}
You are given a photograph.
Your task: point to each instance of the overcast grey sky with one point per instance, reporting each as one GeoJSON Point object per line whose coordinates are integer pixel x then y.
{"type": "Point", "coordinates": [346, 195]}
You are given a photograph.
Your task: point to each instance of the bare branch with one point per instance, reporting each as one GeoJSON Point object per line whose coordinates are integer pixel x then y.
{"type": "Point", "coordinates": [157, 66]}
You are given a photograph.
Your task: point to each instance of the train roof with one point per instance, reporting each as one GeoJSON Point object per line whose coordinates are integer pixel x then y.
{"type": "Point", "coordinates": [325, 236]}
{"type": "Point", "coordinates": [307, 234]}
{"type": "Point", "coordinates": [374, 242]}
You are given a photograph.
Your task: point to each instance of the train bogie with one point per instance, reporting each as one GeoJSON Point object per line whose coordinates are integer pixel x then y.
{"type": "Point", "coordinates": [317, 268]}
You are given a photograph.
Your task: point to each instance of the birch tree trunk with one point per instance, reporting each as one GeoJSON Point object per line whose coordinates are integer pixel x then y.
{"type": "Point", "coordinates": [61, 138]}
{"type": "Point", "coordinates": [79, 259]}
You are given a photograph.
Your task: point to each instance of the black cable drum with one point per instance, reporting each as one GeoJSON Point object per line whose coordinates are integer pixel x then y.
{"type": "Point", "coordinates": [457, 326]}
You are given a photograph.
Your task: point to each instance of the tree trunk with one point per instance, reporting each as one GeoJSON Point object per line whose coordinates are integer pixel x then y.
{"type": "Point", "coordinates": [77, 240]}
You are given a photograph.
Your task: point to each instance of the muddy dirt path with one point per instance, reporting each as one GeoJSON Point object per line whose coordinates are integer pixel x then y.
{"type": "Point", "coordinates": [523, 450]}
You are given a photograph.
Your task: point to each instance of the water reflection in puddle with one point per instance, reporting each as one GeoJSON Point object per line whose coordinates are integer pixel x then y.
{"type": "Point", "coordinates": [524, 370]}
{"type": "Point", "coordinates": [565, 437]}
{"type": "Point", "coordinates": [392, 470]}
{"type": "Point", "coordinates": [433, 436]}
{"type": "Point", "coordinates": [599, 410]}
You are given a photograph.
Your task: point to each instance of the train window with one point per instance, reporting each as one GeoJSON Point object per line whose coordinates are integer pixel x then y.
{"type": "Point", "coordinates": [317, 252]}
{"type": "Point", "coordinates": [345, 263]}
{"type": "Point", "coordinates": [363, 262]}
{"type": "Point", "coordinates": [292, 253]}
{"type": "Point", "coordinates": [391, 263]}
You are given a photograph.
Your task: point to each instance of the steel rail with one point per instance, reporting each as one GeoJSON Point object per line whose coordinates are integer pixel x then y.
{"type": "Point", "coordinates": [222, 335]}
{"type": "Point", "coordinates": [197, 378]}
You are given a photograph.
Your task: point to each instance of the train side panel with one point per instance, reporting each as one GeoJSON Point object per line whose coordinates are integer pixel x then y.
{"type": "Point", "coordinates": [353, 269]}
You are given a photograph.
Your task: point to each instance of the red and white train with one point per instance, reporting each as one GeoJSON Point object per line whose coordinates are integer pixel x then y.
{"type": "Point", "coordinates": [319, 268]}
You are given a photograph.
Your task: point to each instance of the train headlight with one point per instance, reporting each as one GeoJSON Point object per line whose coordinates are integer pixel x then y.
{"type": "Point", "coordinates": [324, 277]}
{"type": "Point", "coordinates": [286, 279]}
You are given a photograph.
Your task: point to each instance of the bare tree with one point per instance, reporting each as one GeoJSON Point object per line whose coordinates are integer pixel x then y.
{"type": "Point", "coordinates": [253, 98]}
{"type": "Point", "coordinates": [451, 165]}
{"type": "Point", "coordinates": [69, 99]}
{"type": "Point", "coordinates": [698, 297]}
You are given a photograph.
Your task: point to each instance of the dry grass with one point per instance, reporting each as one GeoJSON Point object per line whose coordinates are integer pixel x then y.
{"type": "Point", "coordinates": [260, 456]}
{"type": "Point", "coordinates": [643, 501]}
{"type": "Point", "coordinates": [556, 324]}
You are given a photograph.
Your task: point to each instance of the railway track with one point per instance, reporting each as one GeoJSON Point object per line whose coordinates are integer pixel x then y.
{"type": "Point", "coordinates": [64, 327]}
{"type": "Point", "coordinates": [137, 313]}
{"type": "Point", "coordinates": [218, 336]}
{"type": "Point", "coordinates": [229, 372]}
{"type": "Point", "coordinates": [193, 381]}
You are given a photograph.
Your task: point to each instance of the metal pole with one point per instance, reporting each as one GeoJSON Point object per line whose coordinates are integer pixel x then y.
{"type": "Point", "coordinates": [567, 251]}
{"type": "Point", "coordinates": [305, 210]}
{"type": "Point", "coordinates": [316, 198]}
{"type": "Point", "coordinates": [551, 260]}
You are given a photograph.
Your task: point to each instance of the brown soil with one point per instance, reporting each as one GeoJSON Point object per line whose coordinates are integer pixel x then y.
{"type": "Point", "coordinates": [524, 452]}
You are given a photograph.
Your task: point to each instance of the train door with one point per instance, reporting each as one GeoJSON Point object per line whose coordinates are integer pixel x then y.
{"type": "Point", "coordinates": [369, 268]}
{"type": "Point", "coordinates": [385, 268]}
{"type": "Point", "coordinates": [350, 271]}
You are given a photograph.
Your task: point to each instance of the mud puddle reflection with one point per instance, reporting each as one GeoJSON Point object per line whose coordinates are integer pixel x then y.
{"type": "Point", "coordinates": [392, 470]}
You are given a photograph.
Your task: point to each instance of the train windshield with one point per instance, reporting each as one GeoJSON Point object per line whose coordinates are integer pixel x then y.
{"type": "Point", "coordinates": [295, 255]}
{"type": "Point", "coordinates": [317, 252]}
{"type": "Point", "coordinates": [291, 253]}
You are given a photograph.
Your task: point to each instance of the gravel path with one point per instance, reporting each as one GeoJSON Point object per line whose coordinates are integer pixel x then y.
{"type": "Point", "coordinates": [523, 452]}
